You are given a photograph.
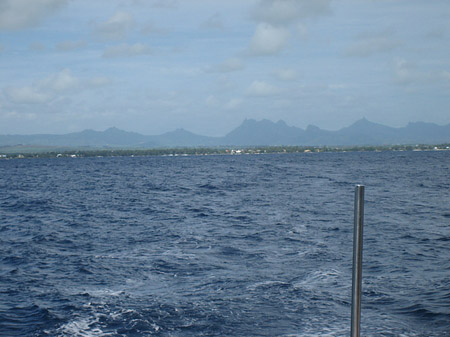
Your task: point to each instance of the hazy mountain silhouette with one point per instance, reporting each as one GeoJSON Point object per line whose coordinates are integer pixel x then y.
{"type": "Point", "coordinates": [180, 138]}
{"type": "Point", "coordinates": [249, 133]}
{"type": "Point", "coordinates": [264, 132]}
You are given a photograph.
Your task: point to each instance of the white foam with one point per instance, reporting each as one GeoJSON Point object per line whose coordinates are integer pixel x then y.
{"type": "Point", "coordinates": [82, 327]}
{"type": "Point", "coordinates": [319, 277]}
{"type": "Point", "coordinates": [266, 284]}
{"type": "Point", "coordinates": [105, 292]}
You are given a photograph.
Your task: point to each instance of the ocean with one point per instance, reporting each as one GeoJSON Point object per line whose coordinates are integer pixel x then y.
{"type": "Point", "coordinates": [245, 245]}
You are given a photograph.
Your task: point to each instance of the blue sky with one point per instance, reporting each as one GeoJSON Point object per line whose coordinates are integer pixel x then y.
{"type": "Point", "coordinates": [152, 66]}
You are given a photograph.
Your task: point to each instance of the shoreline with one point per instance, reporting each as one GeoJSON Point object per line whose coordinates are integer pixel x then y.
{"type": "Point", "coordinates": [14, 152]}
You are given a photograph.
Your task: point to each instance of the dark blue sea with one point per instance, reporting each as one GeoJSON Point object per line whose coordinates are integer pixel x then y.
{"type": "Point", "coordinates": [249, 245]}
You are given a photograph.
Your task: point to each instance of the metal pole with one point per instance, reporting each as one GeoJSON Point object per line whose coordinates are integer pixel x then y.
{"type": "Point", "coordinates": [357, 260]}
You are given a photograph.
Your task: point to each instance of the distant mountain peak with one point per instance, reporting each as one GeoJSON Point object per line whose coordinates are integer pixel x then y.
{"type": "Point", "coordinates": [86, 131]}
{"type": "Point", "coordinates": [262, 132]}
{"type": "Point", "coordinates": [114, 130]}
{"type": "Point", "coordinates": [363, 121]}
{"type": "Point", "coordinates": [365, 124]}
{"type": "Point", "coordinates": [179, 131]}
{"type": "Point", "coordinates": [312, 128]}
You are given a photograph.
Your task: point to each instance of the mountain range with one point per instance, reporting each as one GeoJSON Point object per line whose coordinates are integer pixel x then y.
{"type": "Point", "coordinates": [249, 133]}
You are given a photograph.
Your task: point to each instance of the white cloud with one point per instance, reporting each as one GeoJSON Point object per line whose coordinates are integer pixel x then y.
{"type": "Point", "coordinates": [268, 39]}
{"type": "Point", "coordinates": [261, 88]}
{"type": "Point", "coordinates": [13, 114]}
{"type": "Point", "coordinates": [26, 95]}
{"type": "Point", "coordinates": [211, 101]}
{"type": "Point", "coordinates": [233, 103]}
{"type": "Point", "coordinates": [368, 44]}
{"type": "Point", "coordinates": [126, 50]}
{"type": "Point", "coordinates": [229, 65]}
{"type": "Point", "coordinates": [372, 46]}
{"type": "Point", "coordinates": [70, 45]}
{"type": "Point", "coordinates": [52, 87]}
{"type": "Point", "coordinates": [282, 12]}
{"type": "Point", "coordinates": [150, 28]}
{"type": "Point", "coordinates": [98, 81]}
{"type": "Point", "coordinates": [286, 74]}
{"type": "Point", "coordinates": [276, 17]}
{"type": "Point", "coordinates": [18, 14]}
{"type": "Point", "coordinates": [406, 73]}
{"type": "Point", "coordinates": [116, 27]}
{"type": "Point", "coordinates": [59, 82]}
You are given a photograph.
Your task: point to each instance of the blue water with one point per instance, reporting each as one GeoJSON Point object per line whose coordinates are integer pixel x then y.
{"type": "Point", "coordinates": [251, 245]}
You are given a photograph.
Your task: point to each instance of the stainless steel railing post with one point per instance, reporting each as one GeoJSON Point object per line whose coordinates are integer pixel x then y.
{"type": "Point", "coordinates": [357, 260]}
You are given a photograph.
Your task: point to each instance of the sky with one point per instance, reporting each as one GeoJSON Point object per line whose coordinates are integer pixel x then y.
{"type": "Point", "coordinates": [153, 66]}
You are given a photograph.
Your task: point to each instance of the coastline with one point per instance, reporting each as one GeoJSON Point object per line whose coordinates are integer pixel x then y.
{"type": "Point", "coordinates": [21, 152]}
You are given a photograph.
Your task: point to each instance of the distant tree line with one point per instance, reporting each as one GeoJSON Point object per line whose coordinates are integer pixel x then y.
{"type": "Point", "coordinates": [190, 151]}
